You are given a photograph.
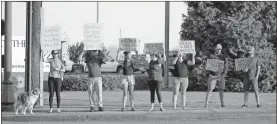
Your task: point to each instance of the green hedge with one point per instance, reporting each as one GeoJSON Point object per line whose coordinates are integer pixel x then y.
{"type": "Point", "coordinates": [110, 82]}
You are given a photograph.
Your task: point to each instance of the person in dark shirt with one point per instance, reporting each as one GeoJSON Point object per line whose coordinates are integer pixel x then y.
{"type": "Point", "coordinates": [94, 61]}
{"type": "Point", "coordinates": [128, 81]}
{"type": "Point", "coordinates": [251, 76]}
{"type": "Point", "coordinates": [217, 77]}
{"type": "Point", "coordinates": [155, 79]}
{"type": "Point", "coordinates": [181, 72]}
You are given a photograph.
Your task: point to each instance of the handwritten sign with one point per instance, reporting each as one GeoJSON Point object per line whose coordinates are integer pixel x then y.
{"type": "Point", "coordinates": [93, 36]}
{"type": "Point", "coordinates": [187, 46]}
{"type": "Point", "coordinates": [153, 48]}
{"type": "Point", "coordinates": [128, 44]}
{"type": "Point", "coordinates": [51, 38]}
{"type": "Point", "coordinates": [214, 65]}
{"type": "Point", "coordinates": [243, 63]}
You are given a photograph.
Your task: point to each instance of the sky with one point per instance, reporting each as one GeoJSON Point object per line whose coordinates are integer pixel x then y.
{"type": "Point", "coordinates": [142, 20]}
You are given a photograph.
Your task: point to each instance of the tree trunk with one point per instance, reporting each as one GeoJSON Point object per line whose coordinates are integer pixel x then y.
{"type": "Point", "coordinates": [35, 48]}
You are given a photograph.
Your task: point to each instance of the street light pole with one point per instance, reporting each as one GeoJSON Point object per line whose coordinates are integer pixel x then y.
{"type": "Point", "coordinates": [167, 16]}
{"type": "Point", "coordinates": [97, 11]}
{"type": "Point", "coordinates": [7, 93]}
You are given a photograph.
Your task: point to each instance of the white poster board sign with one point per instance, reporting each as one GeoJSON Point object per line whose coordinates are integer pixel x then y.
{"type": "Point", "coordinates": [18, 54]}
{"type": "Point", "coordinates": [153, 48]}
{"type": "Point", "coordinates": [51, 38]}
{"type": "Point", "coordinates": [128, 44]}
{"type": "Point", "coordinates": [93, 36]}
{"type": "Point", "coordinates": [187, 46]}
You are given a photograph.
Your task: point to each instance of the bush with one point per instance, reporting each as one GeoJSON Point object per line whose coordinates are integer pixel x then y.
{"type": "Point", "coordinates": [110, 82]}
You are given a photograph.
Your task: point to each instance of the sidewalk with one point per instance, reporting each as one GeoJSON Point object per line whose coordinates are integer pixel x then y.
{"type": "Point", "coordinates": [75, 108]}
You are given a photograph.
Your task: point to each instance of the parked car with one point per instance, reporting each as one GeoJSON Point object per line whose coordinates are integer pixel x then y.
{"type": "Point", "coordinates": [68, 65]}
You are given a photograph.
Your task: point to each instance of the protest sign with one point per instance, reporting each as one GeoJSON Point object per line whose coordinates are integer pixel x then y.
{"type": "Point", "coordinates": [153, 48]}
{"type": "Point", "coordinates": [187, 46]}
{"type": "Point", "coordinates": [214, 65]}
{"type": "Point", "coordinates": [128, 44]}
{"type": "Point", "coordinates": [93, 36]}
{"type": "Point", "coordinates": [51, 38]}
{"type": "Point", "coordinates": [243, 63]}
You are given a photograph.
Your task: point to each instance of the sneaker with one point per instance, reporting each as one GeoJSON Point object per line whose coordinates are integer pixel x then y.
{"type": "Point", "coordinates": [162, 109]}
{"type": "Point", "coordinates": [123, 109]}
{"type": "Point", "coordinates": [223, 106]}
{"type": "Point", "coordinates": [258, 106]}
{"type": "Point", "coordinates": [59, 110]}
{"type": "Point", "coordinates": [206, 106]}
{"type": "Point", "coordinates": [152, 109]}
{"type": "Point", "coordinates": [244, 106]}
{"type": "Point", "coordinates": [132, 109]}
{"type": "Point", "coordinates": [50, 110]}
{"type": "Point", "coordinates": [91, 109]}
{"type": "Point", "coordinates": [101, 109]}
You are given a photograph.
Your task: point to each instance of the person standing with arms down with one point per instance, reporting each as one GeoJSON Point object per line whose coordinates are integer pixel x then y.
{"type": "Point", "coordinates": [217, 76]}
{"type": "Point", "coordinates": [155, 79]}
{"type": "Point", "coordinates": [128, 81]}
{"type": "Point", "coordinates": [55, 78]}
{"type": "Point", "coordinates": [251, 76]}
{"type": "Point", "coordinates": [181, 72]}
{"type": "Point", "coordinates": [94, 60]}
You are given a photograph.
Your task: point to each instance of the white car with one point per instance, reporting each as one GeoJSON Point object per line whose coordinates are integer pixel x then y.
{"type": "Point", "coordinates": [68, 65]}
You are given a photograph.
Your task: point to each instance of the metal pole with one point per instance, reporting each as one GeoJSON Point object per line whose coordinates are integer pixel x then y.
{"type": "Point", "coordinates": [167, 16]}
{"type": "Point", "coordinates": [120, 33]}
{"type": "Point", "coordinates": [97, 11]}
{"type": "Point", "coordinates": [7, 93]}
{"type": "Point", "coordinates": [30, 47]}
{"type": "Point", "coordinates": [27, 47]}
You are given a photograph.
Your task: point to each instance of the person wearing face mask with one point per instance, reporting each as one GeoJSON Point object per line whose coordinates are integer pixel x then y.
{"type": "Point", "coordinates": [251, 76]}
{"type": "Point", "coordinates": [55, 78]}
{"type": "Point", "coordinates": [155, 79]}
{"type": "Point", "coordinates": [94, 60]}
{"type": "Point", "coordinates": [181, 72]}
{"type": "Point", "coordinates": [217, 76]}
{"type": "Point", "coordinates": [128, 81]}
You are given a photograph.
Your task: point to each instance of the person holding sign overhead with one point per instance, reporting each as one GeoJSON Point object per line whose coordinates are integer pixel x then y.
{"type": "Point", "coordinates": [217, 76]}
{"type": "Point", "coordinates": [128, 81]}
{"type": "Point", "coordinates": [251, 76]}
{"type": "Point", "coordinates": [94, 60]}
{"type": "Point", "coordinates": [155, 79]}
{"type": "Point", "coordinates": [181, 71]}
{"type": "Point", "coordinates": [55, 78]}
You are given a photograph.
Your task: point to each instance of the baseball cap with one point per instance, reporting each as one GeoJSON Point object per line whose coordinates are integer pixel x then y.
{"type": "Point", "coordinates": [218, 46]}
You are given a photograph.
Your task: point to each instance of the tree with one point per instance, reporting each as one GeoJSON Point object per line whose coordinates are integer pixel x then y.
{"type": "Point", "coordinates": [75, 50]}
{"type": "Point", "coordinates": [236, 25]}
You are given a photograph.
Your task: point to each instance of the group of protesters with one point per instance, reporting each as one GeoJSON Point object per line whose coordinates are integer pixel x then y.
{"type": "Point", "coordinates": [94, 59]}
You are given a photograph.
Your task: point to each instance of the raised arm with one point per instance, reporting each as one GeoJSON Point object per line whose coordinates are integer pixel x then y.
{"type": "Point", "coordinates": [176, 58]}
{"type": "Point", "coordinates": [80, 57]}
{"type": "Point", "coordinates": [118, 56]}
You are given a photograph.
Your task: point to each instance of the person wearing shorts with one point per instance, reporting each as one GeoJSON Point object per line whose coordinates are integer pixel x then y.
{"type": "Point", "coordinates": [128, 80]}
{"type": "Point", "coordinates": [155, 79]}
{"type": "Point", "coordinates": [251, 76]}
{"type": "Point", "coordinates": [181, 72]}
{"type": "Point", "coordinates": [94, 60]}
{"type": "Point", "coordinates": [217, 77]}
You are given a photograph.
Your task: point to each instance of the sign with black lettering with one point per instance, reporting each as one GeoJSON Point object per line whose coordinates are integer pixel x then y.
{"type": "Point", "coordinates": [153, 48]}
{"type": "Point", "coordinates": [93, 36]}
{"type": "Point", "coordinates": [187, 46]}
{"type": "Point", "coordinates": [128, 44]}
{"type": "Point", "coordinates": [214, 65]}
{"type": "Point", "coordinates": [51, 38]}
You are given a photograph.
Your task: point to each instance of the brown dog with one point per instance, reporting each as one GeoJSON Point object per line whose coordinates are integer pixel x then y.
{"type": "Point", "coordinates": [27, 100]}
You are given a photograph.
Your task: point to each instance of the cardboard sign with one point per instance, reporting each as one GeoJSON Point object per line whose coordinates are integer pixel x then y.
{"type": "Point", "coordinates": [214, 65]}
{"type": "Point", "coordinates": [93, 36]}
{"type": "Point", "coordinates": [153, 48]}
{"type": "Point", "coordinates": [128, 44]}
{"type": "Point", "coordinates": [243, 63]}
{"type": "Point", "coordinates": [187, 46]}
{"type": "Point", "coordinates": [51, 38]}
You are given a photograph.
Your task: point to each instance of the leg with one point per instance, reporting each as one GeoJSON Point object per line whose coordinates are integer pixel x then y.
{"type": "Point", "coordinates": [24, 110]}
{"type": "Point", "coordinates": [91, 91]}
{"type": "Point", "coordinates": [152, 94]}
{"type": "Point", "coordinates": [31, 109]}
{"type": "Point", "coordinates": [58, 85]}
{"type": "Point", "coordinates": [99, 93]}
{"type": "Point", "coordinates": [184, 86]}
{"type": "Point", "coordinates": [256, 90]}
{"type": "Point", "coordinates": [16, 108]}
{"type": "Point", "coordinates": [131, 91]}
{"type": "Point", "coordinates": [221, 90]}
{"type": "Point", "coordinates": [125, 89]}
{"type": "Point", "coordinates": [211, 86]}
{"type": "Point", "coordinates": [159, 95]}
{"type": "Point", "coordinates": [176, 87]}
{"type": "Point", "coordinates": [51, 92]}
{"type": "Point", "coordinates": [246, 86]}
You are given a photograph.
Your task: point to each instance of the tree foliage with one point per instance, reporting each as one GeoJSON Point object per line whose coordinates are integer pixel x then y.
{"type": "Point", "coordinates": [236, 25]}
{"type": "Point", "coordinates": [75, 50]}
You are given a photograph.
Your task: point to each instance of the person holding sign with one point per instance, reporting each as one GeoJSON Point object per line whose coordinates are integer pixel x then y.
{"type": "Point", "coordinates": [55, 78]}
{"type": "Point", "coordinates": [251, 76]}
{"type": "Point", "coordinates": [217, 76]}
{"type": "Point", "coordinates": [181, 71]}
{"type": "Point", "coordinates": [128, 81]}
{"type": "Point", "coordinates": [94, 60]}
{"type": "Point", "coordinates": [155, 79]}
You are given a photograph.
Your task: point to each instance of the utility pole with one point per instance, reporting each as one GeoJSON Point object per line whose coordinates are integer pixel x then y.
{"type": "Point", "coordinates": [120, 33]}
{"type": "Point", "coordinates": [167, 16]}
{"type": "Point", "coordinates": [7, 85]}
{"type": "Point", "coordinates": [97, 11]}
{"type": "Point", "coordinates": [28, 63]}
